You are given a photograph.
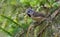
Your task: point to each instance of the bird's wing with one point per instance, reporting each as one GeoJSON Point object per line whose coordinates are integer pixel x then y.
{"type": "Point", "coordinates": [37, 19]}
{"type": "Point", "coordinates": [36, 14]}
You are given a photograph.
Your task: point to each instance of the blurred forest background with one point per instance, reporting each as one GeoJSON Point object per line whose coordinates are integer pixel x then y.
{"type": "Point", "coordinates": [15, 23]}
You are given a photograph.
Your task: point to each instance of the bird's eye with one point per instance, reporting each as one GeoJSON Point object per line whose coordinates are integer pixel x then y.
{"type": "Point", "coordinates": [29, 11]}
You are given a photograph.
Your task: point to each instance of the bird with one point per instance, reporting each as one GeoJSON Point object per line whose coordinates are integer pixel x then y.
{"type": "Point", "coordinates": [36, 16]}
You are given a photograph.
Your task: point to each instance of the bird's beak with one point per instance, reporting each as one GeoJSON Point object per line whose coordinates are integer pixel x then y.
{"type": "Point", "coordinates": [29, 15]}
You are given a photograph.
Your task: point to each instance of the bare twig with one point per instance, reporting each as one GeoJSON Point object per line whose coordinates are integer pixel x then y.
{"type": "Point", "coordinates": [50, 18]}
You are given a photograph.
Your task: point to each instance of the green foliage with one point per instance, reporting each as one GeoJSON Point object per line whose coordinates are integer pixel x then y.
{"type": "Point", "coordinates": [34, 3]}
{"type": "Point", "coordinates": [13, 17]}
